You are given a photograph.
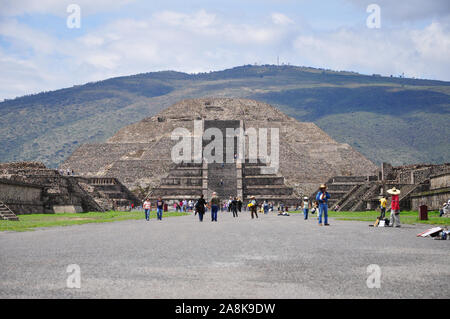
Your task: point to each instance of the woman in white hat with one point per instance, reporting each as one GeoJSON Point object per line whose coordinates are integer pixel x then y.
{"type": "Point", "coordinates": [395, 207]}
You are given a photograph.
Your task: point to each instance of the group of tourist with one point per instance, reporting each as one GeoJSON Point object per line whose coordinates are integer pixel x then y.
{"type": "Point", "coordinates": [235, 205]}
{"type": "Point", "coordinates": [184, 205]}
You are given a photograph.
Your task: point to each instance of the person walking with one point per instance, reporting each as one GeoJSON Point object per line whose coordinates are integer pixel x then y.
{"type": "Point", "coordinates": [322, 198]}
{"type": "Point", "coordinates": [266, 207]}
{"type": "Point", "coordinates": [159, 208]}
{"type": "Point", "coordinates": [395, 206]}
{"type": "Point", "coordinates": [306, 205]}
{"type": "Point", "coordinates": [253, 205]}
{"type": "Point", "coordinates": [383, 203]}
{"type": "Point", "coordinates": [234, 207]}
{"type": "Point", "coordinates": [200, 207]}
{"type": "Point", "coordinates": [215, 204]}
{"type": "Point", "coordinates": [239, 204]}
{"type": "Point", "coordinates": [147, 206]}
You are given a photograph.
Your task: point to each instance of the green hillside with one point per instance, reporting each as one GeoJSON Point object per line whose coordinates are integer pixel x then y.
{"type": "Point", "coordinates": [396, 120]}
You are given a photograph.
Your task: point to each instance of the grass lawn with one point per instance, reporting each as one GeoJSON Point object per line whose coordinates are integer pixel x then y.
{"type": "Point", "coordinates": [30, 222]}
{"type": "Point", "coordinates": [405, 217]}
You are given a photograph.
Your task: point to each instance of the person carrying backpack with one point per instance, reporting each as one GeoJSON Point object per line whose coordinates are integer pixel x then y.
{"type": "Point", "coordinates": [253, 205]}
{"type": "Point", "coordinates": [200, 207]}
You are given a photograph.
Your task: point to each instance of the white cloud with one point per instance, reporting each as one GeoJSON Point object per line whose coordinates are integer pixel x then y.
{"type": "Point", "coordinates": [58, 7]}
{"type": "Point", "coordinates": [198, 20]}
{"type": "Point", "coordinates": [203, 41]}
{"type": "Point", "coordinates": [417, 53]}
{"type": "Point", "coordinates": [281, 19]}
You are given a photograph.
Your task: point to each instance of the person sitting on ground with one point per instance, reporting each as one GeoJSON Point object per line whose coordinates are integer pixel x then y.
{"type": "Point", "coordinates": [445, 210]}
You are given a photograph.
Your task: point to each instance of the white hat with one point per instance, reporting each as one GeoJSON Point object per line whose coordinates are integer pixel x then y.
{"type": "Point", "coordinates": [393, 191]}
{"type": "Point", "coordinates": [306, 197]}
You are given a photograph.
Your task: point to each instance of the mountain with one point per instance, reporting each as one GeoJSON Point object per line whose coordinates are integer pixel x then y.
{"type": "Point", "coordinates": [396, 120]}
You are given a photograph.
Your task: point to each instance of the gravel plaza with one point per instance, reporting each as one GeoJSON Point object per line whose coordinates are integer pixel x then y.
{"type": "Point", "coordinates": [270, 257]}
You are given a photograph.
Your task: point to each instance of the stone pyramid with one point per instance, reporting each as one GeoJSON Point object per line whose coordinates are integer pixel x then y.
{"type": "Point", "coordinates": [139, 155]}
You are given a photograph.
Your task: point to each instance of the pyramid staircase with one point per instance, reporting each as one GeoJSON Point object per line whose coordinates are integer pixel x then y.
{"type": "Point", "coordinates": [184, 181]}
{"type": "Point", "coordinates": [6, 213]}
{"type": "Point", "coordinates": [265, 187]}
{"type": "Point", "coordinates": [235, 179]}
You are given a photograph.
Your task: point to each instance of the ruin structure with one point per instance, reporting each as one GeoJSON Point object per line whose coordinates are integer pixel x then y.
{"type": "Point", "coordinates": [421, 184]}
{"type": "Point", "coordinates": [30, 187]}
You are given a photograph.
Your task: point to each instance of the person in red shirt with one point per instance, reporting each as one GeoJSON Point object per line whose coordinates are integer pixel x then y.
{"type": "Point", "coordinates": [395, 206]}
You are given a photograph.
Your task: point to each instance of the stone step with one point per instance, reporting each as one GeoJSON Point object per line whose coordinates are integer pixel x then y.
{"type": "Point", "coordinates": [268, 191]}
{"type": "Point", "coordinates": [250, 187]}
{"type": "Point", "coordinates": [178, 187]}
{"type": "Point", "coordinates": [6, 213]}
{"type": "Point", "coordinates": [269, 196]}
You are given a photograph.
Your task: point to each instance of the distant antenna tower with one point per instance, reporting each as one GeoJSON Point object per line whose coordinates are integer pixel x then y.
{"type": "Point", "coordinates": [278, 60]}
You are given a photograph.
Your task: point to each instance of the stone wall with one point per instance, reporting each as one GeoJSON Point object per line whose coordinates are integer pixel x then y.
{"type": "Point", "coordinates": [55, 190]}
{"type": "Point", "coordinates": [21, 198]}
{"type": "Point", "coordinates": [433, 199]}
{"type": "Point", "coordinates": [415, 174]}
{"type": "Point", "coordinates": [440, 181]}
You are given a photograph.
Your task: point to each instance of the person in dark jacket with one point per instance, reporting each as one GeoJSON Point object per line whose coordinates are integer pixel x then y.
{"type": "Point", "coordinates": [234, 207]}
{"type": "Point", "coordinates": [200, 207]}
{"type": "Point", "coordinates": [239, 204]}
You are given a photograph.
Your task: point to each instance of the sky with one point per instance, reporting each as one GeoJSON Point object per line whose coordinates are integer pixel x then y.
{"type": "Point", "coordinates": [42, 48]}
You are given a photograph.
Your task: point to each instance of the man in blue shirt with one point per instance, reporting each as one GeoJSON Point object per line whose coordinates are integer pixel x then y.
{"type": "Point", "coordinates": [322, 198]}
